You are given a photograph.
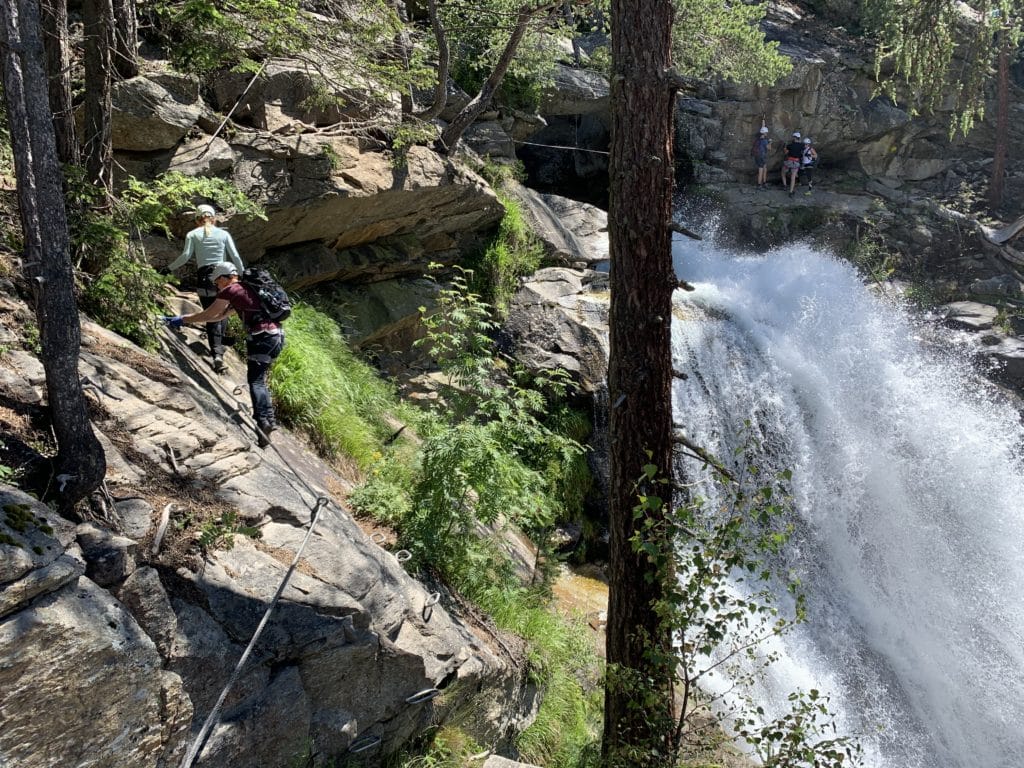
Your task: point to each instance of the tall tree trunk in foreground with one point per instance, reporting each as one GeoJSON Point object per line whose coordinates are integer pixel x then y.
{"type": "Point", "coordinates": [640, 368]}
{"type": "Point", "coordinates": [80, 464]}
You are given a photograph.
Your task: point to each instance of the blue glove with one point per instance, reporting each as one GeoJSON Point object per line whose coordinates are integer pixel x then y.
{"type": "Point", "coordinates": [173, 321]}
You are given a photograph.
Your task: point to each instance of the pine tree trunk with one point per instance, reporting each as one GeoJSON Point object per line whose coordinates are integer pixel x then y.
{"type": "Point", "coordinates": [80, 464]}
{"type": "Point", "coordinates": [98, 22]}
{"type": "Point", "coordinates": [640, 365]}
{"type": "Point", "coordinates": [58, 69]}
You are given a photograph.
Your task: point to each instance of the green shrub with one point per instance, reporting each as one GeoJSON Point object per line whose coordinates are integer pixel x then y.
{"type": "Point", "coordinates": [321, 387]}
{"type": "Point", "coordinates": [515, 252]}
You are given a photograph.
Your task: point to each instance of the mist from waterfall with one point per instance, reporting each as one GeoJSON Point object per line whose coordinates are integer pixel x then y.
{"type": "Point", "coordinates": [909, 492]}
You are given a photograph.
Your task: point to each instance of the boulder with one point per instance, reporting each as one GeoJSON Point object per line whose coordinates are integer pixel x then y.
{"type": "Point", "coordinates": [970, 315]}
{"type": "Point", "coordinates": [351, 656]}
{"type": "Point", "coordinates": [576, 92]}
{"type": "Point", "coordinates": [109, 558]}
{"type": "Point", "coordinates": [572, 232]}
{"type": "Point", "coordinates": [559, 319]}
{"type": "Point", "coordinates": [147, 116]}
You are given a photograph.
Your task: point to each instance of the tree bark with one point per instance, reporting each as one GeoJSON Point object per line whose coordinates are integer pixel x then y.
{"type": "Point", "coordinates": [98, 22]}
{"type": "Point", "coordinates": [640, 364]}
{"type": "Point", "coordinates": [58, 70]}
{"type": "Point", "coordinates": [125, 27]}
{"type": "Point", "coordinates": [995, 189]}
{"type": "Point", "coordinates": [80, 464]}
{"type": "Point", "coordinates": [450, 136]}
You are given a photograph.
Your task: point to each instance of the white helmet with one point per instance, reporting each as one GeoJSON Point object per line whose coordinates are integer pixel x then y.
{"type": "Point", "coordinates": [204, 210]}
{"type": "Point", "coordinates": [796, 134]}
{"type": "Point", "coordinates": [223, 269]}
{"type": "Point", "coordinates": [764, 129]}
{"type": "Point", "coordinates": [807, 140]}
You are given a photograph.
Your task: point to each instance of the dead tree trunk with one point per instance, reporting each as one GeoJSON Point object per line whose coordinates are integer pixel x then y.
{"type": "Point", "coordinates": [995, 189]}
{"type": "Point", "coordinates": [124, 57]}
{"type": "Point", "coordinates": [98, 22]}
{"type": "Point", "coordinates": [80, 464]}
{"type": "Point", "coordinates": [58, 69]}
{"type": "Point", "coordinates": [450, 135]}
{"type": "Point", "coordinates": [640, 372]}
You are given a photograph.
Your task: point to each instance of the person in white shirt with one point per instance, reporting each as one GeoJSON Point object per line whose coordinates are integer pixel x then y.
{"type": "Point", "coordinates": [209, 245]}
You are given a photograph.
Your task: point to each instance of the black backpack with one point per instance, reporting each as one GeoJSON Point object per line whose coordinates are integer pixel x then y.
{"type": "Point", "coordinates": [275, 305]}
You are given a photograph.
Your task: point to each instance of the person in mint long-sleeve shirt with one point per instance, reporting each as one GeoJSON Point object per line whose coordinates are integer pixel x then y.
{"type": "Point", "coordinates": [209, 245]}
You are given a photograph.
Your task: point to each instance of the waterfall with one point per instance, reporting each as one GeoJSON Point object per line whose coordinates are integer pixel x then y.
{"type": "Point", "coordinates": [909, 494]}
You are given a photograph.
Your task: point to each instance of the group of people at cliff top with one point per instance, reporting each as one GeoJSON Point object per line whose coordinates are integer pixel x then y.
{"type": "Point", "coordinates": [218, 267]}
{"type": "Point", "coordinates": [798, 159]}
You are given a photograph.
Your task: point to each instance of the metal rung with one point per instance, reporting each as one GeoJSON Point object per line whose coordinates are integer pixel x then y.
{"type": "Point", "coordinates": [403, 555]}
{"type": "Point", "coordinates": [363, 744]}
{"type": "Point", "coordinates": [425, 695]}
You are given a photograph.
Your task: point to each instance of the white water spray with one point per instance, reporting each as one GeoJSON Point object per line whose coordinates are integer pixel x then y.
{"type": "Point", "coordinates": [910, 493]}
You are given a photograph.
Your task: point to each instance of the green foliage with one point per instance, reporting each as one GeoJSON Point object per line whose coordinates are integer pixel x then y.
{"type": "Point", "coordinates": [219, 533]}
{"type": "Point", "coordinates": [204, 36]}
{"type": "Point", "coordinates": [725, 39]}
{"type": "Point", "coordinates": [941, 52]}
{"type": "Point", "coordinates": [871, 257]}
{"type": "Point", "coordinates": [713, 559]}
{"type": "Point", "coordinates": [515, 252]}
{"type": "Point", "coordinates": [146, 206]}
{"type": "Point", "coordinates": [360, 55]}
{"type": "Point", "coordinates": [408, 134]}
{"type": "Point", "coordinates": [491, 454]}
{"type": "Point", "coordinates": [322, 387]}
{"type": "Point", "coordinates": [804, 737]}
{"type": "Point", "coordinates": [479, 37]}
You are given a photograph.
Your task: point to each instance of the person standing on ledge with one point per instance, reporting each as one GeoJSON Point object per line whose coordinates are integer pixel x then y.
{"type": "Point", "coordinates": [210, 245]}
{"type": "Point", "coordinates": [791, 162]}
{"type": "Point", "coordinates": [264, 340]}
{"type": "Point", "coordinates": [760, 148]}
{"type": "Point", "coordinates": [809, 160]}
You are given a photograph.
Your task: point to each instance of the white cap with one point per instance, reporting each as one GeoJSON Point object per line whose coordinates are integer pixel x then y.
{"type": "Point", "coordinates": [796, 134]}
{"type": "Point", "coordinates": [764, 129]}
{"type": "Point", "coordinates": [223, 269]}
{"type": "Point", "coordinates": [205, 210]}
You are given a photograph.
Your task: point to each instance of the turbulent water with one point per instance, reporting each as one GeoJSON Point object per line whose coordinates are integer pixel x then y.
{"type": "Point", "coordinates": [909, 489]}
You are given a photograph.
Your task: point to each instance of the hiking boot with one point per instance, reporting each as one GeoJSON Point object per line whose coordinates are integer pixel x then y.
{"type": "Point", "coordinates": [263, 430]}
{"type": "Point", "coordinates": [218, 364]}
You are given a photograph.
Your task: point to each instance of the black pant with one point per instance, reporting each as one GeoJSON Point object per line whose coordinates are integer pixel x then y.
{"type": "Point", "coordinates": [207, 295]}
{"type": "Point", "coordinates": [214, 331]}
{"type": "Point", "coordinates": [262, 350]}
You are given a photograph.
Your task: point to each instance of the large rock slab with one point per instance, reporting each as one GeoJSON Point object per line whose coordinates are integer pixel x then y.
{"type": "Point", "coordinates": [356, 651]}
{"type": "Point", "coordinates": [82, 684]}
{"type": "Point", "coordinates": [330, 192]}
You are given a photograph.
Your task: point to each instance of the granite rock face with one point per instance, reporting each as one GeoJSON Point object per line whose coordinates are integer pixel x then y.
{"type": "Point", "coordinates": [115, 649]}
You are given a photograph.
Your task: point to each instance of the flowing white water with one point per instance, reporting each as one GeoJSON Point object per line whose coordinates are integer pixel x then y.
{"type": "Point", "coordinates": [910, 493]}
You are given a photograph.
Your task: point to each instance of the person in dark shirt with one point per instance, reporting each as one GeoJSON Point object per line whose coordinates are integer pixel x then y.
{"type": "Point", "coordinates": [760, 148]}
{"type": "Point", "coordinates": [791, 162]}
{"type": "Point", "coordinates": [264, 340]}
